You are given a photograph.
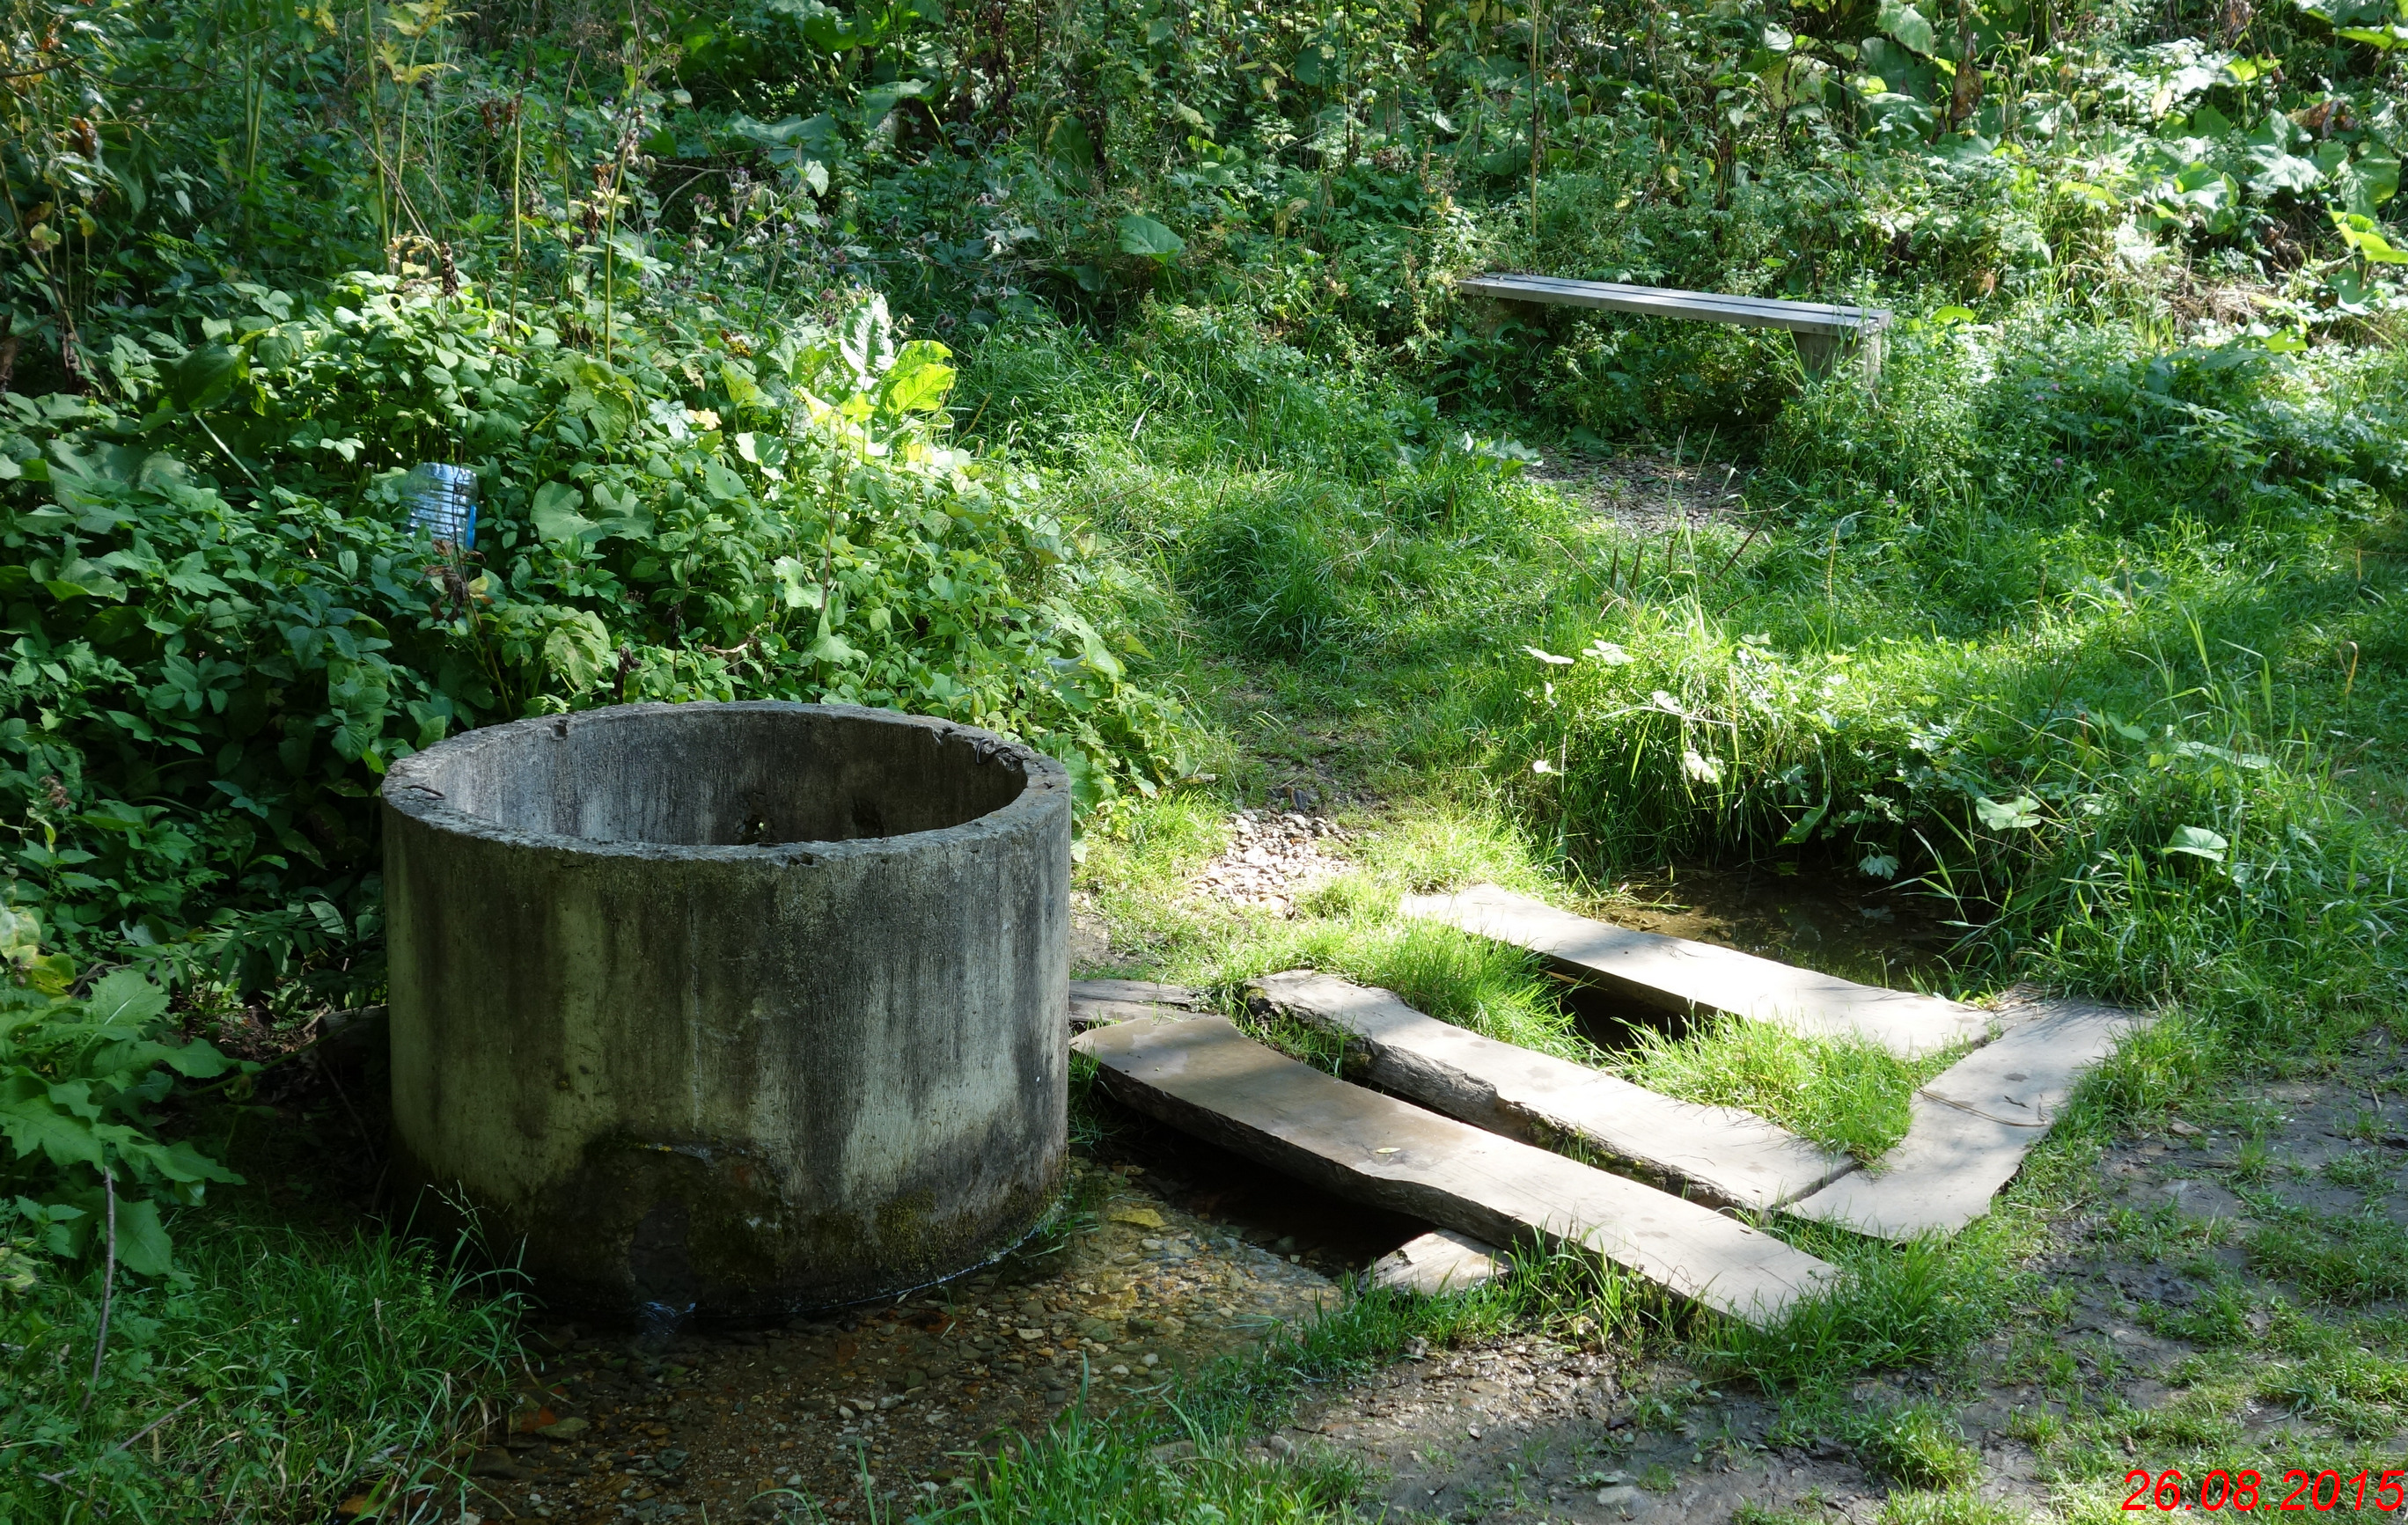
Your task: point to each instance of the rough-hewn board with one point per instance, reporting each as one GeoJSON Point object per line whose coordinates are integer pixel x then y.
{"type": "Point", "coordinates": [1663, 301]}
{"type": "Point", "coordinates": [1823, 330]}
{"type": "Point", "coordinates": [1096, 1001]}
{"type": "Point", "coordinates": [1717, 1154]}
{"type": "Point", "coordinates": [1973, 1124]}
{"type": "Point", "coordinates": [1438, 1262]}
{"type": "Point", "coordinates": [1676, 974]}
{"type": "Point", "coordinates": [1141, 991]}
{"type": "Point", "coordinates": [1200, 1073]}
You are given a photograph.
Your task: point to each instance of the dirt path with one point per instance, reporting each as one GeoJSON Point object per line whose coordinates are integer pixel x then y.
{"type": "Point", "coordinates": [2150, 1339]}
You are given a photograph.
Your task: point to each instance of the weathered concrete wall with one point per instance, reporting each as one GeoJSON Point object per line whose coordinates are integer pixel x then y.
{"type": "Point", "coordinates": [744, 1007]}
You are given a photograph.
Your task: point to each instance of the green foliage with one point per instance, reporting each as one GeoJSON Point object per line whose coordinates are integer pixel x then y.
{"type": "Point", "coordinates": [2350, 1259]}
{"type": "Point", "coordinates": [688, 517]}
{"type": "Point", "coordinates": [1917, 1443]}
{"type": "Point", "coordinates": [81, 1079]}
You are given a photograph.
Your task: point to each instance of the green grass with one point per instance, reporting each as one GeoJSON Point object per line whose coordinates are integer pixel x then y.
{"type": "Point", "coordinates": [1850, 1095]}
{"type": "Point", "coordinates": [276, 1374]}
{"type": "Point", "coordinates": [1113, 1469]}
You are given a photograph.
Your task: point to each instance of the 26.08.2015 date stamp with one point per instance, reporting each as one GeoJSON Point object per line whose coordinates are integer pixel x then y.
{"type": "Point", "coordinates": [2302, 1488]}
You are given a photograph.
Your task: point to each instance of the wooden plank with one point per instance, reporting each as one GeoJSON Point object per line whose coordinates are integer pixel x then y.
{"type": "Point", "coordinates": [1973, 1124]}
{"type": "Point", "coordinates": [1142, 991]}
{"type": "Point", "coordinates": [1703, 306]}
{"type": "Point", "coordinates": [1201, 1074]}
{"type": "Point", "coordinates": [1716, 1154]}
{"type": "Point", "coordinates": [1438, 1262]}
{"type": "Point", "coordinates": [1706, 306]}
{"type": "Point", "coordinates": [1675, 975]}
{"type": "Point", "coordinates": [1661, 302]}
{"type": "Point", "coordinates": [1096, 1001]}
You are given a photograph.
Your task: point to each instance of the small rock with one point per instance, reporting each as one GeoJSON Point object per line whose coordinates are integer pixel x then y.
{"type": "Point", "coordinates": [494, 1462]}
{"type": "Point", "coordinates": [567, 1429]}
{"type": "Point", "coordinates": [1139, 1218]}
{"type": "Point", "coordinates": [2185, 1130]}
{"type": "Point", "coordinates": [1621, 1496]}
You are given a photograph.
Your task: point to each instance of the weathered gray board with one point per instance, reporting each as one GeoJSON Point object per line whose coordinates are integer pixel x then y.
{"type": "Point", "coordinates": [1717, 1154]}
{"type": "Point", "coordinates": [1823, 329]}
{"type": "Point", "coordinates": [1200, 1073]}
{"type": "Point", "coordinates": [1971, 1125]}
{"type": "Point", "coordinates": [1676, 974]}
{"type": "Point", "coordinates": [1094, 1002]}
{"type": "Point", "coordinates": [1438, 1261]}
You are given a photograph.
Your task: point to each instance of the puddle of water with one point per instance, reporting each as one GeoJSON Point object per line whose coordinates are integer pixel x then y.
{"type": "Point", "coordinates": [1874, 934]}
{"type": "Point", "coordinates": [1325, 1233]}
{"type": "Point", "coordinates": [612, 1428]}
{"type": "Point", "coordinates": [1815, 920]}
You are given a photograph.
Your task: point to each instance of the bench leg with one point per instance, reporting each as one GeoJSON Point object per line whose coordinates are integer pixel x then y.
{"type": "Point", "coordinates": [1818, 352]}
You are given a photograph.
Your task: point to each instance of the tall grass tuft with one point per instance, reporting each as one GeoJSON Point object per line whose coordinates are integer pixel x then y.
{"type": "Point", "coordinates": [276, 1374]}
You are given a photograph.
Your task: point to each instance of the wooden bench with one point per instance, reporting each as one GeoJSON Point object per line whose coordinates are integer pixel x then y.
{"type": "Point", "coordinates": [1824, 331]}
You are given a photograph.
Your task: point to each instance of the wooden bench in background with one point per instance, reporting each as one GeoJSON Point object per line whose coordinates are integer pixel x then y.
{"type": "Point", "coordinates": [1824, 331]}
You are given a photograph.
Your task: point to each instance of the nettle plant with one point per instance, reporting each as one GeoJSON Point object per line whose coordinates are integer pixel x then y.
{"type": "Point", "coordinates": [82, 1164]}
{"type": "Point", "coordinates": [221, 626]}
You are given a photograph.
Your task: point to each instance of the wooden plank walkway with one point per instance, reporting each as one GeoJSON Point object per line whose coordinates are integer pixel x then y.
{"type": "Point", "coordinates": [1438, 1261]}
{"type": "Point", "coordinates": [1096, 1001]}
{"type": "Point", "coordinates": [1675, 975]}
{"type": "Point", "coordinates": [1201, 1074]}
{"type": "Point", "coordinates": [1716, 1154]}
{"type": "Point", "coordinates": [1823, 329]}
{"type": "Point", "coordinates": [1972, 1124]}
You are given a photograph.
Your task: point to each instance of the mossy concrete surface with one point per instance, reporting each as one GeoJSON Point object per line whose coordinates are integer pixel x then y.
{"type": "Point", "coordinates": [732, 1009]}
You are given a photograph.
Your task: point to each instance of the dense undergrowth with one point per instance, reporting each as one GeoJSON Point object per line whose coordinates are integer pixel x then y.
{"type": "Point", "coordinates": [1097, 374]}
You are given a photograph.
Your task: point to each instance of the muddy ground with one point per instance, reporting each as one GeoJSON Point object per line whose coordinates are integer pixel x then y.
{"type": "Point", "coordinates": [1167, 1266]}
{"type": "Point", "coordinates": [1175, 1253]}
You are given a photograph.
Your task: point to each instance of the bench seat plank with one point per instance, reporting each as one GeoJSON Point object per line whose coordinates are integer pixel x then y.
{"type": "Point", "coordinates": [1660, 302]}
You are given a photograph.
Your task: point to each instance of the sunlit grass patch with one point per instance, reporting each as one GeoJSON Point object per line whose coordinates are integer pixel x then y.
{"type": "Point", "coordinates": [1949, 1506]}
{"type": "Point", "coordinates": [1844, 1093]}
{"type": "Point", "coordinates": [2362, 1258]}
{"type": "Point", "coordinates": [1918, 1303]}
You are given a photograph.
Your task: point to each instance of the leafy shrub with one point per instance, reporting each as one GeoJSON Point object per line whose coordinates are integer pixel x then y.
{"type": "Point", "coordinates": [80, 1079]}
{"type": "Point", "coordinates": [223, 625]}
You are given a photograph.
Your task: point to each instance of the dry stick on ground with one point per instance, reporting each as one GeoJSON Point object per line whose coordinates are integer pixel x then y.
{"type": "Point", "coordinates": [107, 1290]}
{"type": "Point", "coordinates": [59, 1478]}
{"type": "Point", "coordinates": [1724, 571]}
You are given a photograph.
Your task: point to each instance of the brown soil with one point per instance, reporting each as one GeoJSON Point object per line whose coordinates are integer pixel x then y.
{"type": "Point", "coordinates": [898, 1399]}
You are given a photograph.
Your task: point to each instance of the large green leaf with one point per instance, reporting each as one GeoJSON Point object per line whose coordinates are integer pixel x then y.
{"type": "Point", "coordinates": [126, 999]}
{"type": "Point", "coordinates": [205, 377]}
{"type": "Point", "coordinates": [555, 514]}
{"type": "Point", "coordinates": [1143, 236]}
{"type": "Point", "coordinates": [1910, 26]}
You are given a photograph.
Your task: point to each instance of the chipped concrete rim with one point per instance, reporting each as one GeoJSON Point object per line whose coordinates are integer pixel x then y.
{"type": "Point", "coordinates": [409, 790]}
